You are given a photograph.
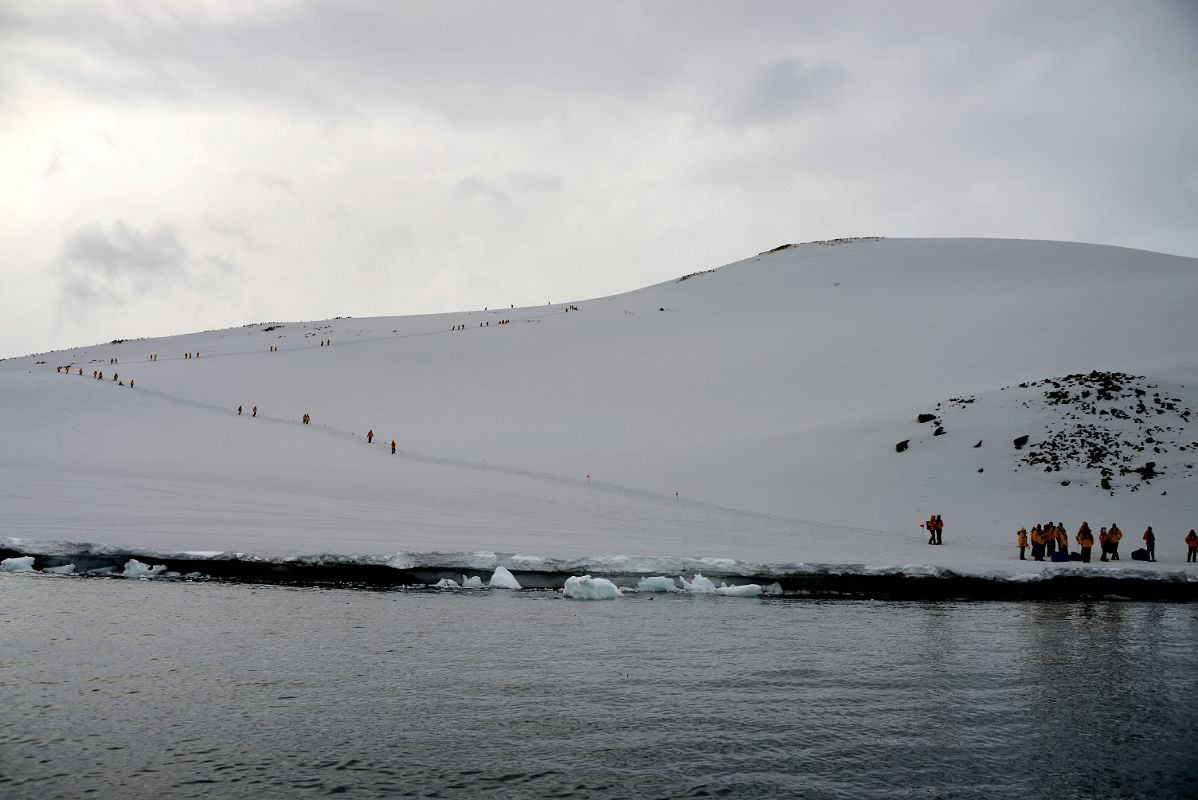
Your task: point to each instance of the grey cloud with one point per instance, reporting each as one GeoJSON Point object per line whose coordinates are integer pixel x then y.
{"type": "Point", "coordinates": [108, 263]}
{"type": "Point", "coordinates": [511, 185]}
{"type": "Point", "coordinates": [475, 187]}
{"type": "Point", "coordinates": [231, 231]}
{"type": "Point", "coordinates": [55, 165]}
{"type": "Point", "coordinates": [266, 180]}
{"type": "Point", "coordinates": [521, 182]}
{"type": "Point", "coordinates": [786, 88]}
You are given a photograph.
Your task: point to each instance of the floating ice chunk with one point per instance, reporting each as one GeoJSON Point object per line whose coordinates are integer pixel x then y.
{"type": "Point", "coordinates": [657, 583]}
{"type": "Point", "coordinates": [136, 569]}
{"type": "Point", "coordinates": [773, 588]}
{"type": "Point", "coordinates": [65, 569]}
{"type": "Point", "coordinates": [748, 590]}
{"type": "Point", "coordinates": [18, 564]}
{"type": "Point", "coordinates": [473, 582]}
{"type": "Point", "coordinates": [588, 588]}
{"type": "Point", "coordinates": [502, 579]}
{"type": "Point", "coordinates": [699, 585]}
{"type": "Point", "coordinates": [446, 583]}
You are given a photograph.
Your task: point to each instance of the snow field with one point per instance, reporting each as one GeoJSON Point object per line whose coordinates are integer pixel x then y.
{"type": "Point", "coordinates": [751, 422]}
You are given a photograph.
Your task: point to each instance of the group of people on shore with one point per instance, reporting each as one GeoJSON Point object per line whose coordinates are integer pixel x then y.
{"type": "Point", "coordinates": [1050, 540]}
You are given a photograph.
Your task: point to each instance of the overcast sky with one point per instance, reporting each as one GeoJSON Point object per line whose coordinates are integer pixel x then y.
{"type": "Point", "coordinates": [179, 166]}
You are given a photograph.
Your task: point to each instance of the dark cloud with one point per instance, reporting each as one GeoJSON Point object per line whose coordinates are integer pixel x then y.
{"type": "Point", "coordinates": [117, 262]}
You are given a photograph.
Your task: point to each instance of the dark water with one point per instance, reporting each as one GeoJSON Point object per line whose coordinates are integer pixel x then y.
{"type": "Point", "coordinates": [112, 688]}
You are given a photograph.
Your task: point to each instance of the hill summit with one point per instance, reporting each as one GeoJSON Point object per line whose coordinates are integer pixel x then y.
{"type": "Point", "coordinates": [767, 411]}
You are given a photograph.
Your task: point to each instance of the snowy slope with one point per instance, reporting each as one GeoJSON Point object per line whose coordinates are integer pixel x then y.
{"type": "Point", "coordinates": [769, 394]}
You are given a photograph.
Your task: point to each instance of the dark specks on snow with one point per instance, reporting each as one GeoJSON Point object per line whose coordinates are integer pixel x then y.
{"type": "Point", "coordinates": [1097, 423]}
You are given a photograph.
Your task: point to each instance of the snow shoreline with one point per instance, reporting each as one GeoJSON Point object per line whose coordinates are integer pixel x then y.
{"type": "Point", "coordinates": [816, 581]}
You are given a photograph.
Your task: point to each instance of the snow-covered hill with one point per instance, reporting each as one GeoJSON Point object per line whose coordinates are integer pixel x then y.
{"type": "Point", "coordinates": [749, 413]}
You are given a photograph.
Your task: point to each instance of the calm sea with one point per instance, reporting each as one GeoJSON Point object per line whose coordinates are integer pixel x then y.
{"type": "Point", "coordinates": [126, 688]}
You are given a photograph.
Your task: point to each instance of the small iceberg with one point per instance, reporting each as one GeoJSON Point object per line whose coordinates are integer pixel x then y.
{"type": "Point", "coordinates": [446, 583]}
{"type": "Point", "coordinates": [65, 569]}
{"type": "Point", "coordinates": [474, 582]}
{"type": "Point", "coordinates": [748, 590]}
{"type": "Point", "coordinates": [657, 583]}
{"type": "Point", "coordinates": [699, 585]}
{"type": "Point", "coordinates": [136, 569]}
{"type": "Point", "coordinates": [502, 579]}
{"type": "Point", "coordinates": [588, 588]}
{"type": "Point", "coordinates": [18, 564]}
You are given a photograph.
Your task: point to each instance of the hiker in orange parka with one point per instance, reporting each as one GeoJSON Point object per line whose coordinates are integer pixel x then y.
{"type": "Point", "coordinates": [239, 411]}
{"type": "Point", "coordinates": [307, 419]}
{"type": "Point", "coordinates": [392, 447]}
{"type": "Point", "coordinates": [1085, 540]}
{"type": "Point", "coordinates": [1022, 543]}
{"type": "Point", "coordinates": [1114, 536]}
{"type": "Point", "coordinates": [254, 413]}
{"type": "Point", "coordinates": [1191, 546]}
{"type": "Point", "coordinates": [369, 436]}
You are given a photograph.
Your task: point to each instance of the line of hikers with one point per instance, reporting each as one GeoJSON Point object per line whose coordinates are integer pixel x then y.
{"type": "Point", "coordinates": [486, 324]}
{"type": "Point", "coordinates": [1051, 541]}
{"type": "Point", "coordinates": [370, 440]}
{"type": "Point", "coordinates": [97, 374]}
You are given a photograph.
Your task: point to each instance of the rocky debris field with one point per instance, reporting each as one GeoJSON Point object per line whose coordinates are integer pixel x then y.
{"type": "Point", "coordinates": [1109, 430]}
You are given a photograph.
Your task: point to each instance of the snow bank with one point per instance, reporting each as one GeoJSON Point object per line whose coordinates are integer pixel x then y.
{"type": "Point", "coordinates": [18, 564]}
{"type": "Point", "coordinates": [503, 579]}
{"type": "Point", "coordinates": [657, 583]}
{"type": "Point", "coordinates": [588, 588]}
